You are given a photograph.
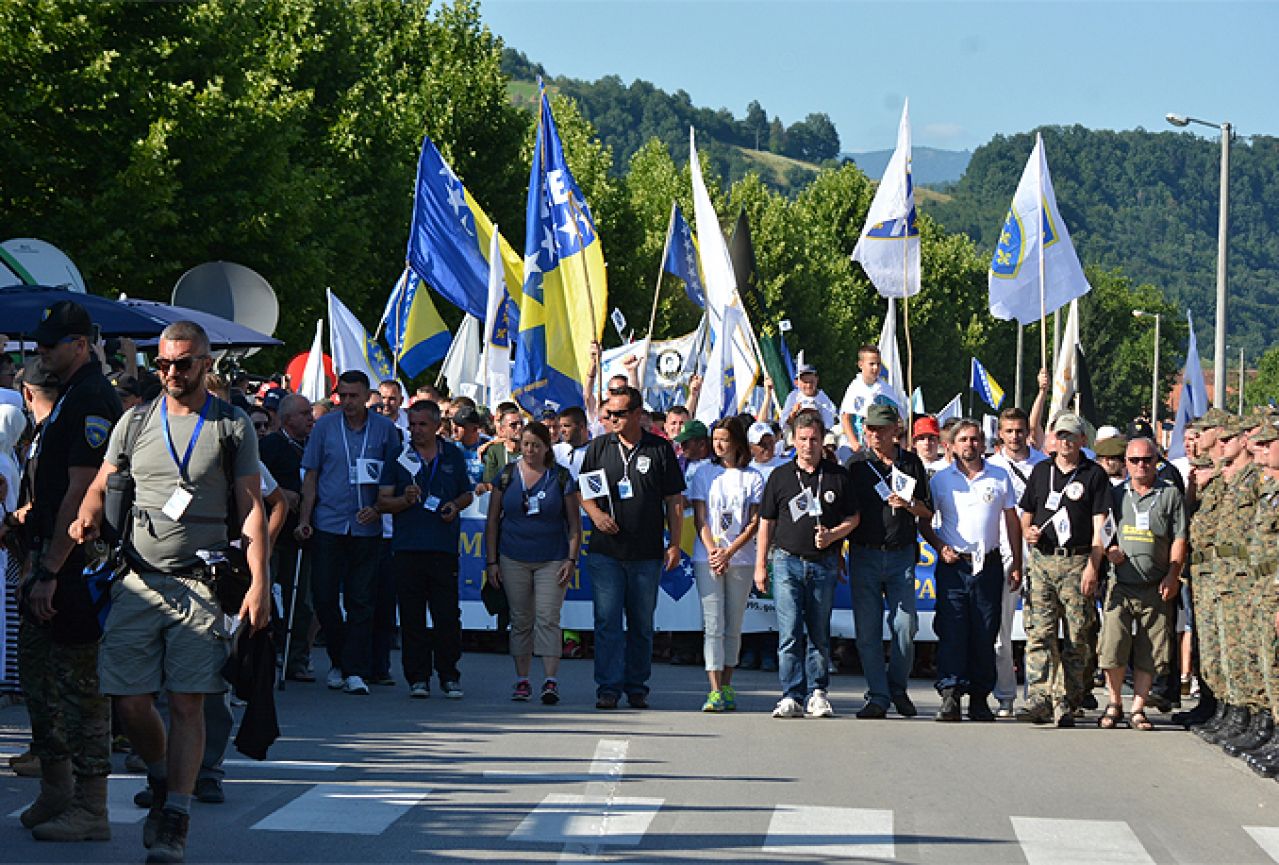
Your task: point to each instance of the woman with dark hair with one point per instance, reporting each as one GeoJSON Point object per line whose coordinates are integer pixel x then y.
{"type": "Point", "coordinates": [532, 541]}
{"type": "Point", "coordinates": [726, 497]}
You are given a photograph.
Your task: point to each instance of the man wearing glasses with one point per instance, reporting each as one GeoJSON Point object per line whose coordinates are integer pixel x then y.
{"type": "Point", "coordinates": [1064, 511]}
{"type": "Point", "coordinates": [166, 629]}
{"type": "Point", "coordinates": [631, 489]}
{"type": "Point", "coordinates": [505, 448]}
{"type": "Point", "coordinates": [58, 636]}
{"type": "Point", "coordinates": [1147, 558]}
{"type": "Point", "coordinates": [343, 461]}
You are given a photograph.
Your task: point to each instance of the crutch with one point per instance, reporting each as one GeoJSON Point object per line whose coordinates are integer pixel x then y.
{"type": "Point", "coordinates": [288, 631]}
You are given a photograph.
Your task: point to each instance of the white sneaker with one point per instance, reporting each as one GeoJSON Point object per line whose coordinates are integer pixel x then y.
{"type": "Point", "coordinates": [452, 690]}
{"type": "Point", "coordinates": [335, 679]}
{"type": "Point", "coordinates": [420, 690]}
{"type": "Point", "coordinates": [1005, 709]}
{"type": "Point", "coordinates": [819, 706]}
{"type": "Point", "coordinates": [788, 707]}
{"type": "Point", "coordinates": [355, 685]}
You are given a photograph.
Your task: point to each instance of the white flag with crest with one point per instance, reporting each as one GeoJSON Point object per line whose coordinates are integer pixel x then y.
{"type": "Point", "coordinates": [888, 249]}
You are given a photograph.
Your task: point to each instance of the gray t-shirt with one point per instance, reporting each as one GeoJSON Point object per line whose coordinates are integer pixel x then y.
{"type": "Point", "coordinates": [164, 544]}
{"type": "Point", "coordinates": [1147, 527]}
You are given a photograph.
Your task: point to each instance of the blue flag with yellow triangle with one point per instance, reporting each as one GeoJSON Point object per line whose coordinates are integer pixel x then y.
{"type": "Point", "coordinates": [986, 386]}
{"type": "Point", "coordinates": [414, 329]}
{"type": "Point", "coordinates": [682, 260]}
{"type": "Point", "coordinates": [564, 297]}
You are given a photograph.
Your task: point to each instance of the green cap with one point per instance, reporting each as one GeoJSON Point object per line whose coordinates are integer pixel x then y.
{"type": "Point", "coordinates": [1266, 434]}
{"type": "Point", "coordinates": [881, 414]}
{"type": "Point", "coordinates": [1115, 446]}
{"type": "Point", "coordinates": [692, 429]}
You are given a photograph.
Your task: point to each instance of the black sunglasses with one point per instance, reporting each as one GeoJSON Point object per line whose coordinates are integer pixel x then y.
{"type": "Point", "coordinates": [619, 415]}
{"type": "Point", "coordinates": [1141, 461]}
{"type": "Point", "coordinates": [181, 364]}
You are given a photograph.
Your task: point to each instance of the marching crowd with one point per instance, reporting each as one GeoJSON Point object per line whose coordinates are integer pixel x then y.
{"type": "Point", "coordinates": [149, 512]}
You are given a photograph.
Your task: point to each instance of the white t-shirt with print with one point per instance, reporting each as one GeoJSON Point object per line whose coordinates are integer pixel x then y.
{"type": "Point", "coordinates": [729, 495]}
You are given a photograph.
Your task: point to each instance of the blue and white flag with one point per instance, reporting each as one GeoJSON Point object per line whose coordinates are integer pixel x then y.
{"type": "Point", "coordinates": [890, 367]}
{"type": "Point", "coordinates": [888, 249]}
{"type": "Point", "coordinates": [352, 347]}
{"type": "Point", "coordinates": [1194, 395]}
{"type": "Point", "coordinates": [1034, 224]}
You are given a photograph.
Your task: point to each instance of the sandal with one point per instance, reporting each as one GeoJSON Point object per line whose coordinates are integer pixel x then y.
{"type": "Point", "coordinates": [1139, 721]}
{"type": "Point", "coordinates": [1112, 717]}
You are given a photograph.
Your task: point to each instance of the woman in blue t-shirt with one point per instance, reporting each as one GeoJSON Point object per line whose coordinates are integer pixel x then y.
{"type": "Point", "coordinates": [532, 539]}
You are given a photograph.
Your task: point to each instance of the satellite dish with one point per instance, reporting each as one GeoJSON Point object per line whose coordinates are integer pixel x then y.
{"type": "Point", "coordinates": [231, 291]}
{"type": "Point", "coordinates": [29, 261]}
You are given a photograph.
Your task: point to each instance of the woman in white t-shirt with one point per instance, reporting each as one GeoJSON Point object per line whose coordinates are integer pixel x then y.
{"type": "Point", "coordinates": [726, 497]}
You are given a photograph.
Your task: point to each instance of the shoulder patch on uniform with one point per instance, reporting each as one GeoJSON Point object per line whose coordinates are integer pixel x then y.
{"type": "Point", "coordinates": [96, 430]}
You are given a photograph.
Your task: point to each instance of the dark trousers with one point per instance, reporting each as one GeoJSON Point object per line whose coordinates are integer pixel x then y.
{"type": "Point", "coordinates": [383, 611]}
{"type": "Point", "coordinates": [343, 576]}
{"type": "Point", "coordinates": [967, 621]}
{"type": "Point", "coordinates": [422, 580]}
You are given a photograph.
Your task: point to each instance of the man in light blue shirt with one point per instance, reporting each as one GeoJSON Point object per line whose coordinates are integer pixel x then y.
{"type": "Point", "coordinates": [343, 463]}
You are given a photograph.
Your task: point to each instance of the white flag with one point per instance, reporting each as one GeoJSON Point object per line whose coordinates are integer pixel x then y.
{"type": "Point", "coordinates": [315, 384]}
{"type": "Point", "coordinates": [351, 345]}
{"type": "Point", "coordinates": [722, 388]}
{"type": "Point", "coordinates": [497, 340]}
{"type": "Point", "coordinates": [461, 365]}
{"type": "Point", "coordinates": [889, 246]}
{"type": "Point", "coordinates": [1065, 370]}
{"type": "Point", "coordinates": [954, 409]}
{"type": "Point", "coordinates": [1034, 224]}
{"type": "Point", "coordinates": [890, 358]}
{"type": "Point", "coordinates": [721, 293]}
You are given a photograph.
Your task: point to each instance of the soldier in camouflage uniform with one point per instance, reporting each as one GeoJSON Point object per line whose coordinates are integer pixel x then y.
{"type": "Point", "coordinates": [1241, 480]}
{"type": "Point", "coordinates": [1262, 749]}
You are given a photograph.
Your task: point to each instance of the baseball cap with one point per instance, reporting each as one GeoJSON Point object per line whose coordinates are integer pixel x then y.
{"type": "Point", "coordinates": [1266, 434]}
{"type": "Point", "coordinates": [62, 319]}
{"type": "Point", "coordinates": [758, 430]}
{"type": "Point", "coordinates": [466, 415]}
{"type": "Point", "coordinates": [1141, 429]}
{"type": "Point", "coordinates": [805, 369]}
{"type": "Point", "coordinates": [1108, 432]}
{"type": "Point", "coordinates": [1067, 421]}
{"type": "Point", "coordinates": [692, 429]}
{"type": "Point", "coordinates": [926, 426]}
{"type": "Point", "coordinates": [881, 414]}
{"type": "Point", "coordinates": [35, 374]}
{"type": "Point", "coordinates": [271, 399]}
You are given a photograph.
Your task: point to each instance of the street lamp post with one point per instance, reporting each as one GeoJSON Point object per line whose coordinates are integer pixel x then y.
{"type": "Point", "coordinates": [1223, 221]}
{"type": "Point", "coordinates": [1154, 369]}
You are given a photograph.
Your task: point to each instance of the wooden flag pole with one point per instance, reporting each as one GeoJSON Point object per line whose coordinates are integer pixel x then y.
{"type": "Point", "coordinates": [910, 352]}
{"type": "Point", "coordinates": [657, 290]}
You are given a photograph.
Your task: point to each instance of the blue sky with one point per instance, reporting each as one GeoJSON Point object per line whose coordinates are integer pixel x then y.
{"type": "Point", "coordinates": [971, 70]}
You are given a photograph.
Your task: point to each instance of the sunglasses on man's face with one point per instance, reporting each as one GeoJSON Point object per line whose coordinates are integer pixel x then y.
{"type": "Point", "coordinates": [261, 424]}
{"type": "Point", "coordinates": [178, 364]}
{"type": "Point", "coordinates": [1141, 461]}
{"type": "Point", "coordinates": [619, 415]}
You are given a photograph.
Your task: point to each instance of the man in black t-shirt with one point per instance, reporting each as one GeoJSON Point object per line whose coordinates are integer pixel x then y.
{"type": "Point", "coordinates": [58, 637]}
{"type": "Point", "coordinates": [631, 484]}
{"type": "Point", "coordinates": [1064, 511]}
{"type": "Point", "coordinates": [808, 508]}
{"type": "Point", "coordinates": [281, 452]}
{"type": "Point", "coordinates": [893, 497]}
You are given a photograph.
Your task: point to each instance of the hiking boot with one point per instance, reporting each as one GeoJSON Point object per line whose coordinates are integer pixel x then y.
{"type": "Point", "coordinates": [1040, 712]}
{"type": "Point", "coordinates": [1200, 714]}
{"type": "Point", "coordinates": [155, 813]}
{"type": "Point", "coordinates": [949, 711]}
{"type": "Point", "coordinates": [25, 765]}
{"type": "Point", "coordinates": [57, 788]}
{"type": "Point", "coordinates": [1237, 720]}
{"type": "Point", "coordinates": [85, 820]}
{"type": "Point", "coordinates": [1259, 731]}
{"type": "Point", "coordinates": [171, 840]}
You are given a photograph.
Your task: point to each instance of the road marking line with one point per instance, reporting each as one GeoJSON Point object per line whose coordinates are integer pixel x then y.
{"type": "Point", "coordinates": [831, 833]}
{"type": "Point", "coordinates": [345, 809]}
{"type": "Point", "coordinates": [1267, 838]}
{"type": "Point", "coordinates": [1051, 841]}
{"type": "Point", "coordinates": [583, 824]}
{"type": "Point", "coordinates": [301, 765]}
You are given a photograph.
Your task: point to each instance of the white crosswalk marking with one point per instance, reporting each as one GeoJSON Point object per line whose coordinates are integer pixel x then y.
{"type": "Point", "coordinates": [1267, 838]}
{"type": "Point", "coordinates": [831, 833]}
{"type": "Point", "coordinates": [583, 823]}
{"type": "Point", "coordinates": [1051, 841]}
{"type": "Point", "coordinates": [349, 809]}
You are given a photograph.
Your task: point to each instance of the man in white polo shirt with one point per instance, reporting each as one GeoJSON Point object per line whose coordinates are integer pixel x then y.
{"type": "Point", "coordinates": [973, 500]}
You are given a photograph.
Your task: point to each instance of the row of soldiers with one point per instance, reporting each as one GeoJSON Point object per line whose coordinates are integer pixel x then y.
{"type": "Point", "coordinates": [1234, 534]}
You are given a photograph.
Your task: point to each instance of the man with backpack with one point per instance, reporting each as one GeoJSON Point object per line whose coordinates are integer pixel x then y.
{"type": "Point", "coordinates": [192, 460]}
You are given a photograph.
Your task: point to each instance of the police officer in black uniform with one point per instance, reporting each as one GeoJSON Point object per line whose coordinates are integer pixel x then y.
{"type": "Point", "coordinates": [58, 638]}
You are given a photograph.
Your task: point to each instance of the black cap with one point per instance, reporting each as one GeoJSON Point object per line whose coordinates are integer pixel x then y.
{"type": "Point", "coordinates": [35, 374]}
{"type": "Point", "coordinates": [62, 319]}
{"type": "Point", "coordinates": [465, 415]}
{"type": "Point", "coordinates": [272, 398]}
{"type": "Point", "coordinates": [127, 385]}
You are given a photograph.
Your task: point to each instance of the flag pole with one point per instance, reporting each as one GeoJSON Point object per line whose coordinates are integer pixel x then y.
{"type": "Point", "coordinates": [910, 353]}
{"type": "Point", "coordinates": [1020, 346]}
{"type": "Point", "coordinates": [657, 290]}
{"type": "Point", "coordinates": [1043, 287]}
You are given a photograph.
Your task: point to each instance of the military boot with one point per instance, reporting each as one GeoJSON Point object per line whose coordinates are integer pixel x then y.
{"type": "Point", "coordinates": [25, 765]}
{"type": "Point", "coordinates": [1199, 715]}
{"type": "Point", "coordinates": [56, 791]}
{"type": "Point", "coordinates": [1265, 760]}
{"type": "Point", "coordinates": [1224, 712]}
{"type": "Point", "coordinates": [1257, 734]}
{"type": "Point", "coordinates": [1237, 720]}
{"type": "Point", "coordinates": [85, 820]}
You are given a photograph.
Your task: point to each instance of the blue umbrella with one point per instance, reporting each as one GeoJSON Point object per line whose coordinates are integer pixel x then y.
{"type": "Point", "coordinates": [222, 332]}
{"type": "Point", "coordinates": [22, 308]}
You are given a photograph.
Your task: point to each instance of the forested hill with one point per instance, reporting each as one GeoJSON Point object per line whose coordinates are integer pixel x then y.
{"type": "Point", "coordinates": [626, 116]}
{"type": "Point", "coordinates": [1147, 202]}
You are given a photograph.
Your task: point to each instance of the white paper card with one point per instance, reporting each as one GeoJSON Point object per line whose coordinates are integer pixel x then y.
{"type": "Point", "coordinates": [177, 504]}
{"type": "Point", "coordinates": [431, 503]}
{"type": "Point", "coordinates": [624, 489]}
{"type": "Point", "coordinates": [1143, 521]}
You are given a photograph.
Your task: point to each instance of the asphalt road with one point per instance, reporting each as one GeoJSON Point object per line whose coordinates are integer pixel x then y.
{"type": "Point", "coordinates": [387, 779]}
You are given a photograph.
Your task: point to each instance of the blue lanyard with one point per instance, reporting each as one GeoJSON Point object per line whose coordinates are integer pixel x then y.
{"type": "Point", "coordinates": [435, 464]}
{"type": "Point", "coordinates": [168, 436]}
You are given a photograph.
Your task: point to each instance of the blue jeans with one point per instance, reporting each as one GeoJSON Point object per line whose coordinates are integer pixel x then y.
{"type": "Point", "coordinates": [804, 593]}
{"type": "Point", "coordinates": [876, 577]}
{"type": "Point", "coordinates": [967, 622]}
{"type": "Point", "coordinates": [624, 661]}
